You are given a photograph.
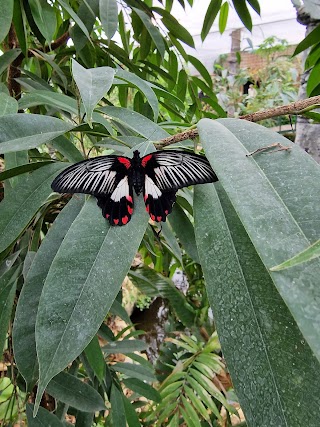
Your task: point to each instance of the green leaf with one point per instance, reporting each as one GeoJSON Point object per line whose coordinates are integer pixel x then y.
{"type": "Point", "coordinates": [117, 407]}
{"type": "Point", "coordinates": [176, 29]}
{"type": "Point", "coordinates": [255, 5]}
{"type": "Point", "coordinates": [135, 371]}
{"type": "Point", "coordinates": [190, 415]}
{"type": "Point", "coordinates": [18, 209]}
{"type": "Point", "coordinates": [67, 149]}
{"type": "Point", "coordinates": [94, 281]}
{"type": "Point", "coordinates": [210, 16]}
{"type": "Point", "coordinates": [76, 18]}
{"type": "Point", "coordinates": [153, 284]}
{"type": "Point", "coordinates": [13, 160]}
{"type": "Point", "coordinates": [109, 16]}
{"type": "Point", "coordinates": [19, 22]}
{"type": "Point", "coordinates": [6, 7]}
{"type": "Point", "coordinates": [19, 170]}
{"type": "Point", "coordinates": [308, 254]}
{"type": "Point", "coordinates": [8, 105]}
{"type": "Point", "coordinates": [8, 57]}
{"type": "Point", "coordinates": [43, 418]}
{"type": "Point", "coordinates": [202, 69]}
{"type": "Point", "coordinates": [285, 207]}
{"type": "Point", "coordinates": [8, 284]}
{"type": "Point", "coordinates": [46, 97]}
{"type": "Point", "coordinates": [76, 393]}
{"type": "Point", "coordinates": [311, 39]}
{"type": "Point", "coordinates": [45, 18]}
{"type": "Point", "coordinates": [183, 228]}
{"type": "Point", "coordinates": [136, 122]}
{"type": "Point", "coordinates": [95, 358]}
{"type": "Point", "coordinates": [131, 415]}
{"type": "Point", "coordinates": [250, 307]}
{"type": "Point", "coordinates": [25, 318]}
{"type": "Point", "coordinates": [143, 389]}
{"type": "Point", "coordinates": [196, 402]}
{"type": "Point", "coordinates": [143, 87]}
{"type": "Point", "coordinates": [243, 13]}
{"type": "Point", "coordinates": [125, 346]}
{"type": "Point", "coordinates": [93, 84]}
{"type": "Point", "coordinates": [313, 80]}
{"type": "Point", "coordinates": [223, 17]}
{"type": "Point", "coordinates": [152, 30]}
{"type": "Point", "coordinates": [24, 131]}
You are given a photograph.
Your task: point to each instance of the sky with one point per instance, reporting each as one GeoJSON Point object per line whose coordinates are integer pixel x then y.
{"type": "Point", "coordinates": [278, 18]}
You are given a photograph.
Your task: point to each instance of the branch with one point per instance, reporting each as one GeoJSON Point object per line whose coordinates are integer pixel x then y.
{"type": "Point", "coordinates": [297, 107]}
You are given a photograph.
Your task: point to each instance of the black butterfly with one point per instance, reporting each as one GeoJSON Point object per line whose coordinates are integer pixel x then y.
{"type": "Point", "coordinates": [111, 180]}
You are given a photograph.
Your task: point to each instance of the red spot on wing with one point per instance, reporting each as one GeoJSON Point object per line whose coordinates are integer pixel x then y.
{"type": "Point", "coordinates": [166, 212]}
{"type": "Point", "coordinates": [116, 221]}
{"type": "Point", "coordinates": [107, 216]}
{"type": "Point", "coordinates": [125, 219]}
{"type": "Point", "coordinates": [152, 217]}
{"type": "Point", "coordinates": [145, 160]}
{"type": "Point", "coordinates": [130, 210]}
{"type": "Point", "coordinates": [159, 218]}
{"type": "Point", "coordinates": [129, 198]}
{"type": "Point", "coordinates": [147, 208]}
{"type": "Point", "coordinates": [126, 162]}
{"type": "Point", "coordinates": [145, 197]}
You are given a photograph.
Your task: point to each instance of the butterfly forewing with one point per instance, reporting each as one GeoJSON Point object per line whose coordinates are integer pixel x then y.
{"type": "Point", "coordinates": [96, 176]}
{"type": "Point", "coordinates": [176, 169]}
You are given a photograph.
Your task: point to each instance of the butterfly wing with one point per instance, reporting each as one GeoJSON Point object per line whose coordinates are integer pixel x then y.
{"type": "Point", "coordinates": [108, 178]}
{"type": "Point", "coordinates": [166, 172]}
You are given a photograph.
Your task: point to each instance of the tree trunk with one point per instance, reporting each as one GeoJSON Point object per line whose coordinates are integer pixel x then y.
{"type": "Point", "coordinates": [307, 133]}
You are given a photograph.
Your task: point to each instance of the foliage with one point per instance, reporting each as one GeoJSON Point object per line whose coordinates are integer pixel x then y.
{"type": "Point", "coordinates": [84, 94]}
{"type": "Point", "coordinates": [274, 84]}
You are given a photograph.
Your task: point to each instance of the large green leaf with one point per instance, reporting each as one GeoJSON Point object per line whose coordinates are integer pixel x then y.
{"type": "Point", "coordinates": [45, 18]}
{"type": "Point", "coordinates": [8, 283]}
{"type": "Point", "coordinates": [7, 57]}
{"type": "Point", "coordinates": [6, 7]}
{"type": "Point", "coordinates": [136, 122]}
{"type": "Point", "coordinates": [277, 199]}
{"type": "Point", "coordinates": [93, 84]}
{"type": "Point", "coordinates": [109, 16]}
{"type": "Point", "coordinates": [19, 206]}
{"type": "Point", "coordinates": [82, 283]}
{"type": "Point", "coordinates": [47, 97]}
{"type": "Point", "coordinates": [152, 30]}
{"type": "Point", "coordinates": [211, 14]}
{"type": "Point", "coordinates": [43, 418]}
{"type": "Point", "coordinates": [24, 343]}
{"type": "Point", "coordinates": [74, 392]}
{"type": "Point", "coordinates": [8, 105]}
{"type": "Point", "coordinates": [24, 131]}
{"type": "Point", "coordinates": [272, 368]}
{"type": "Point", "coordinates": [311, 39]}
{"type": "Point", "coordinates": [243, 13]}
{"type": "Point", "coordinates": [144, 88]}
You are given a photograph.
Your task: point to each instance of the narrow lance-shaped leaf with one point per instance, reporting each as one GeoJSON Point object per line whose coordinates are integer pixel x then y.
{"type": "Point", "coordinates": [109, 16]}
{"type": "Point", "coordinates": [308, 254]}
{"type": "Point", "coordinates": [6, 7]}
{"type": "Point", "coordinates": [273, 214]}
{"type": "Point", "coordinates": [8, 105]}
{"type": "Point", "coordinates": [210, 16]}
{"type": "Point", "coordinates": [74, 392]}
{"type": "Point", "coordinates": [93, 84]}
{"type": "Point", "coordinates": [260, 339]}
{"type": "Point", "coordinates": [45, 18]}
{"type": "Point", "coordinates": [18, 207]}
{"type": "Point", "coordinates": [24, 131]}
{"type": "Point", "coordinates": [24, 343]}
{"type": "Point", "coordinates": [143, 87]}
{"type": "Point", "coordinates": [152, 30]}
{"type": "Point", "coordinates": [80, 297]}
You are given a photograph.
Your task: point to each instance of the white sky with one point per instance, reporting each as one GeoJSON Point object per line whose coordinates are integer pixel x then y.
{"type": "Point", "coordinates": [278, 18]}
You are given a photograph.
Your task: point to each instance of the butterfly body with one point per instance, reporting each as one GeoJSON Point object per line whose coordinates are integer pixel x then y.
{"type": "Point", "coordinates": [111, 179]}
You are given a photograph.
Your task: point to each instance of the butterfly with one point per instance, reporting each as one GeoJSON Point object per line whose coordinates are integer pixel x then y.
{"type": "Point", "coordinates": [111, 179]}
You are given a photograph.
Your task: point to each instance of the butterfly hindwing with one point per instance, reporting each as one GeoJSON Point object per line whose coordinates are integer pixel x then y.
{"type": "Point", "coordinates": [158, 203]}
{"type": "Point", "coordinates": [117, 208]}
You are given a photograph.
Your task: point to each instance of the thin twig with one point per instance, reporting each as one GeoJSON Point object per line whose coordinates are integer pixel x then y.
{"type": "Point", "coordinates": [297, 107]}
